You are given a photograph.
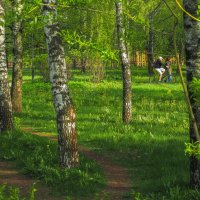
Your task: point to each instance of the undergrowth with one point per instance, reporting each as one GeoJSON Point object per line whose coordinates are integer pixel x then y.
{"type": "Point", "coordinates": [13, 193]}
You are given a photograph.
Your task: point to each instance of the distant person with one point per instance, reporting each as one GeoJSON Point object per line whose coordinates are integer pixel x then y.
{"type": "Point", "coordinates": [168, 69]}
{"type": "Point", "coordinates": [158, 67]}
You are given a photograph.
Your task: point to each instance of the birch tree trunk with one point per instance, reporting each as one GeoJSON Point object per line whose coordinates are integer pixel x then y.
{"type": "Point", "coordinates": [192, 48]}
{"type": "Point", "coordinates": [126, 71]}
{"type": "Point", "coordinates": [16, 91]}
{"type": "Point", "coordinates": [151, 38]}
{"type": "Point", "coordinates": [6, 122]}
{"type": "Point", "coordinates": [150, 46]}
{"type": "Point", "coordinates": [65, 112]}
{"type": "Point", "coordinates": [83, 25]}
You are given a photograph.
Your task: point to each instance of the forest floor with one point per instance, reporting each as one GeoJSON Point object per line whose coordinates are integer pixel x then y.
{"type": "Point", "coordinates": [151, 147]}
{"type": "Point", "coordinates": [117, 177]}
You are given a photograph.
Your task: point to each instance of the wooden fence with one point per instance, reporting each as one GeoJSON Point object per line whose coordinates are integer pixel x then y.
{"type": "Point", "coordinates": [140, 59]}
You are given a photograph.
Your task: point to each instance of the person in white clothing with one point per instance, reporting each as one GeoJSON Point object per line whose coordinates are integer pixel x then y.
{"type": "Point", "coordinates": [158, 67]}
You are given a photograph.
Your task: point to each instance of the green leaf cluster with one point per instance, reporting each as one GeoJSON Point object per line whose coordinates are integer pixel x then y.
{"type": "Point", "coordinates": [193, 149]}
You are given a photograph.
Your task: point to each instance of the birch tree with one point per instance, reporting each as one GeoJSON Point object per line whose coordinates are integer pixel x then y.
{"type": "Point", "coordinates": [65, 112]}
{"type": "Point", "coordinates": [192, 47]}
{"type": "Point", "coordinates": [150, 48]}
{"type": "Point", "coordinates": [150, 45]}
{"type": "Point", "coordinates": [6, 121]}
{"type": "Point", "coordinates": [126, 71]}
{"type": "Point", "coordinates": [16, 91]}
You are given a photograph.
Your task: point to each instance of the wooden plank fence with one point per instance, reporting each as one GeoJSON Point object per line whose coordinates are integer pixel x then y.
{"type": "Point", "coordinates": [139, 58]}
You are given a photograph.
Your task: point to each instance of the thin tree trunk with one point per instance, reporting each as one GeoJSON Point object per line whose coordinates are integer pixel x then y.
{"type": "Point", "coordinates": [151, 38]}
{"type": "Point", "coordinates": [83, 64]}
{"type": "Point", "coordinates": [6, 120]}
{"type": "Point", "coordinates": [126, 71]}
{"type": "Point", "coordinates": [83, 31]}
{"type": "Point", "coordinates": [192, 47]}
{"type": "Point", "coordinates": [32, 57]}
{"type": "Point", "coordinates": [181, 55]}
{"type": "Point", "coordinates": [150, 46]}
{"type": "Point", "coordinates": [16, 91]}
{"type": "Point", "coordinates": [66, 115]}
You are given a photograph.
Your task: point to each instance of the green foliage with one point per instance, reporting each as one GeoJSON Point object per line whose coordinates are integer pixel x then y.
{"type": "Point", "coordinates": [97, 68]}
{"type": "Point", "coordinates": [12, 193]}
{"type": "Point", "coordinates": [193, 149]}
{"type": "Point", "coordinates": [90, 26]}
{"type": "Point", "coordinates": [42, 62]}
{"type": "Point", "coordinates": [32, 192]}
{"type": "Point", "coordinates": [75, 39]}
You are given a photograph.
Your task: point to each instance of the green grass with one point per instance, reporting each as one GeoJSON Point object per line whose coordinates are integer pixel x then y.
{"type": "Point", "coordinates": [13, 193]}
{"type": "Point", "coordinates": [151, 146]}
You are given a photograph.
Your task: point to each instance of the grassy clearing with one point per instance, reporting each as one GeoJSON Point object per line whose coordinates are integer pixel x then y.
{"type": "Point", "coordinates": [151, 147]}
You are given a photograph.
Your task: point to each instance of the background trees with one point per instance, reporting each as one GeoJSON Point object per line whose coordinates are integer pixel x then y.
{"type": "Point", "coordinates": [90, 28]}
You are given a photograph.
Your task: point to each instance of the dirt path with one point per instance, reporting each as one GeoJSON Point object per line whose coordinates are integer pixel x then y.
{"type": "Point", "coordinates": [11, 177]}
{"type": "Point", "coordinates": [117, 177]}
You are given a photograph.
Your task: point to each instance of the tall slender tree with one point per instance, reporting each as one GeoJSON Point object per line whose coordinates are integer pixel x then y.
{"type": "Point", "coordinates": [16, 90]}
{"type": "Point", "coordinates": [192, 48]}
{"type": "Point", "coordinates": [126, 71]}
{"type": "Point", "coordinates": [150, 45]}
{"type": "Point", "coordinates": [65, 112]}
{"type": "Point", "coordinates": [150, 48]}
{"type": "Point", "coordinates": [6, 121]}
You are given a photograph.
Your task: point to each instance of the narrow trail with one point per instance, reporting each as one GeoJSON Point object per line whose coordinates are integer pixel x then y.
{"type": "Point", "coordinates": [118, 180]}
{"type": "Point", "coordinates": [10, 176]}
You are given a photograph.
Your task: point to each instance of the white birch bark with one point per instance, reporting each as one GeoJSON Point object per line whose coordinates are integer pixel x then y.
{"type": "Point", "coordinates": [16, 90]}
{"type": "Point", "coordinates": [6, 122]}
{"type": "Point", "coordinates": [126, 71]}
{"type": "Point", "coordinates": [66, 115]}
